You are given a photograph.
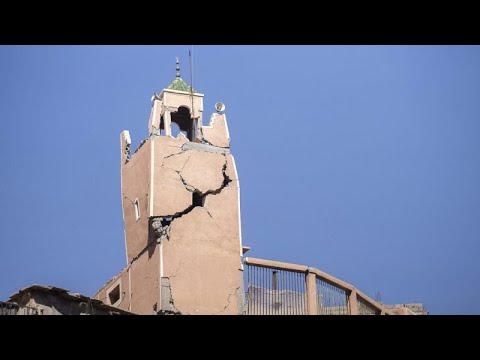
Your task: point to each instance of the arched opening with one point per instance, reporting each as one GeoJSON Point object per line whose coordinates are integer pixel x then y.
{"type": "Point", "coordinates": [183, 119]}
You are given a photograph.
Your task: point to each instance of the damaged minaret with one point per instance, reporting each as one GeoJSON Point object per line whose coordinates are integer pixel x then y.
{"type": "Point", "coordinates": [181, 207]}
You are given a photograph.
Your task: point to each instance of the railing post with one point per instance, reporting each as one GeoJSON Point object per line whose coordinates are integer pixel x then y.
{"type": "Point", "coordinates": [352, 302]}
{"type": "Point", "coordinates": [311, 287]}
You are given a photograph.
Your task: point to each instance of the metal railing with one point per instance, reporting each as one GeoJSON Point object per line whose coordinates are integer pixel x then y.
{"type": "Point", "coordinates": [364, 308]}
{"type": "Point", "coordinates": [10, 308]}
{"type": "Point", "coordinates": [274, 291]}
{"type": "Point", "coordinates": [278, 288]}
{"type": "Point", "coordinates": [331, 300]}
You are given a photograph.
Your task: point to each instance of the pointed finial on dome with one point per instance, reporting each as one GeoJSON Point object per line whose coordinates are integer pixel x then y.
{"type": "Point", "coordinates": [177, 61]}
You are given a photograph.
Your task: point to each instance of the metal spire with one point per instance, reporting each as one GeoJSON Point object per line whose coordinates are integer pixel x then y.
{"type": "Point", "coordinates": [177, 61]}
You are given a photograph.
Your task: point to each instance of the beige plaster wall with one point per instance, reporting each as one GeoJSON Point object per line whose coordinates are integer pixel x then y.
{"type": "Point", "coordinates": [136, 185]}
{"type": "Point", "coordinates": [169, 194]}
{"type": "Point", "coordinates": [145, 281]}
{"type": "Point", "coordinates": [102, 294]}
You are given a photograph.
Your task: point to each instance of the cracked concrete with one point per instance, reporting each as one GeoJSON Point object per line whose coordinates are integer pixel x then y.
{"type": "Point", "coordinates": [205, 147]}
{"type": "Point", "coordinates": [168, 304]}
{"type": "Point", "coordinates": [228, 300]}
{"type": "Point", "coordinates": [200, 239]}
{"type": "Point", "coordinates": [160, 228]}
{"type": "Point", "coordinates": [207, 253]}
{"type": "Point", "coordinates": [213, 203]}
{"type": "Point", "coordinates": [216, 133]}
{"type": "Point", "coordinates": [200, 170]}
{"type": "Point", "coordinates": [169, 187]}
{"type": "Point", "coordinates": [204, 173]}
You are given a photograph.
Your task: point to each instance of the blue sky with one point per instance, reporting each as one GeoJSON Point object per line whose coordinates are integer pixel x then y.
{"type": "Point", "coordinates": [362, 161]}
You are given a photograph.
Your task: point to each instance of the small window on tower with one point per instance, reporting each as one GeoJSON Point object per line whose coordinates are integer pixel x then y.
{"type": "Point", "coordinates": [137, 210]}
{"type": "Point", "coordinates": [114, 295]}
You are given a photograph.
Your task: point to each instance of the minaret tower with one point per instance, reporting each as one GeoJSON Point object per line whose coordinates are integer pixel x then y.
{"type": "Point", "coordinates": [181, 207]}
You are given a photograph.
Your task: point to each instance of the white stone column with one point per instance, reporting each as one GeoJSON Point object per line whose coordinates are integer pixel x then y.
{"type": "Point", "coordinates": [167, 122]}
{"type": "Point", "coordinates": [155, 118]}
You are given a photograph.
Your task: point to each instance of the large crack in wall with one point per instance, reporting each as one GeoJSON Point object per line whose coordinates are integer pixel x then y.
{"type": "Point", "coordinates": [183, 164]}
{"type": "Point", "coordinates": [160, 225]}
{"type": "Point", "coordinates": [228, 300]}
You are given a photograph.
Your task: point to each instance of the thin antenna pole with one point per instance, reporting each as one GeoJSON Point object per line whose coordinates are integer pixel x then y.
{"type": "Point", "coordinates": [190, 55]}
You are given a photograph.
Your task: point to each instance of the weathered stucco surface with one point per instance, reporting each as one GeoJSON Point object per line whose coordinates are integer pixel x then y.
{"type": "Point", "coordinates": [216, 133]}
{"type": "Point", "coordinates": [169, 194]}
{"type": "Point", "coordinates": [145, 281]}
{"type": "Point", "coordinates": [199, 170]}
{"type": "Point", "coordinates": [227, 221]}
{"type": "Point", "coordinates": [198, 263]}
{"type": "Point", "coordinates": [136, 185]}
{"type": "Point", "coordinates": [143, 276]}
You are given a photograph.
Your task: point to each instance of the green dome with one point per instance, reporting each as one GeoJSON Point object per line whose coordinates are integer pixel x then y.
{"type": "Point", "coordinates": [180, 85]}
